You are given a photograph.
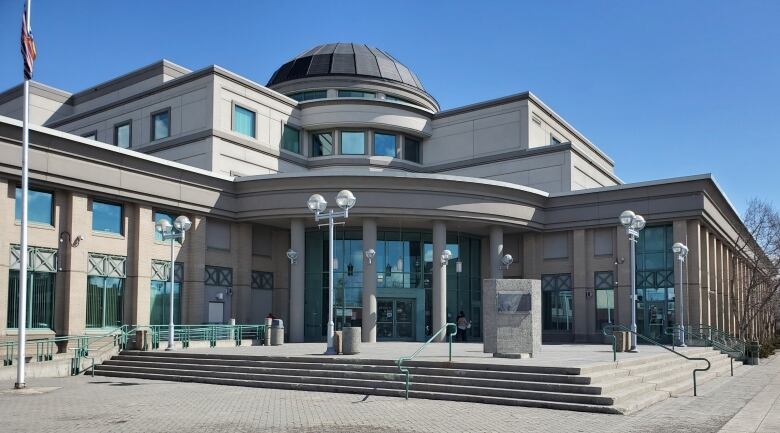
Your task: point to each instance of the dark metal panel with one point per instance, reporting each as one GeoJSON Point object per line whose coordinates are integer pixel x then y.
{"type": "Point", "coordinates": [281, 73]}
{"type": "Point", "coordinates": [365, 61]}
{"type": "Point", "coordinates": [387, 67]}
{"type": "Point", "coordinates": [300, 68]}
{"type": "Point", "coordinates": [343, 60]}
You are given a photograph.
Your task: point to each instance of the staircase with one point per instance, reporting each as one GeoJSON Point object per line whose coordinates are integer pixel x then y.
{"type": "Point", "coordinates": [616, 388]}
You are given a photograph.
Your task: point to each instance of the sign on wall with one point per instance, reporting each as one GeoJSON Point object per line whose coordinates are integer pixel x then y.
{"type": "Point", "coordinates": [513, 302]}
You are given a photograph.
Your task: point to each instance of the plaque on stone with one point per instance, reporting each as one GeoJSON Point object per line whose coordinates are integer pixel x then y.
{"type": "Point", "coordinates": [513, 303]}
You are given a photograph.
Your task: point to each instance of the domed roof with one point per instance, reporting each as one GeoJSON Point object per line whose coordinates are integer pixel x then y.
{"type": "Point", "coordinates": [345, 59]}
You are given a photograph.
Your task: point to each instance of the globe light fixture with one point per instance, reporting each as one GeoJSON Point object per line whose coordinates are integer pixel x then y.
{"type": "Point", "coordinates": [446, 255]}
{"type": "Point", "coordinates": [507, 260]}
{"type": "Point", "coordinates": [370, 253]}
{"type": "Point", "coordinates": [317, 204]}
{"type": "Point", "coordinates": [170, 232]}
{"type": "Point", "coordinates": [292, 255]}
{"type": "Point", "coordinates": [633, 224]}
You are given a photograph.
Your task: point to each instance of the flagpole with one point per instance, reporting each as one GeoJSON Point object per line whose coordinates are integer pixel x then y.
{"type": "Point", "coordinates": [23, 257]}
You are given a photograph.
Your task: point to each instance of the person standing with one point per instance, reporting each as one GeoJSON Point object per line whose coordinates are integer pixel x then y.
{"type": "Point", "coordinates": [463, 326]}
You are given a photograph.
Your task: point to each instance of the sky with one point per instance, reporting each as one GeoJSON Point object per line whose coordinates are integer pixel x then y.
{"type": "Point", "coordinates": [666, 88]}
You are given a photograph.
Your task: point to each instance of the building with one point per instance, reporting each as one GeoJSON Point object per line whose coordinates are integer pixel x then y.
{"type": "Point", "coordinates": [504, 176]}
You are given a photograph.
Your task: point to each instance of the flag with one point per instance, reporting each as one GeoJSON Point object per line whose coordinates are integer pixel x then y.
{"type": "Point", "coordinates": [28, 46]}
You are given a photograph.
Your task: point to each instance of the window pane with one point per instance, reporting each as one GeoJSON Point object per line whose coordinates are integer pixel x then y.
{"type": "Point", "coordinates": [355, 94]}
{"type": "Point", "coordinates": [322, 144]}
{"type": "Point", "coordinates": [106, 217]}
{"type": "Point", "coordinates": [243, 121]}
{"type": "Point", "coordinates": [162, 125]}
{"type": "Point", "coordinates": [306, 96]}
{"type": "Point", "coordinates": [353, 143]}
{"type": "Point", "coordinates": [411, 150]}
{"type": "Point", "coordinates": [91, 135]}
{"type": "Point", "coordinates": [291, 139]}
{"type": "Point", "coordinates": [122, 136]}
{"type": "Point", "coordinates": [384, 145]}
{"type": "Point", "coordinates": [39, 206]}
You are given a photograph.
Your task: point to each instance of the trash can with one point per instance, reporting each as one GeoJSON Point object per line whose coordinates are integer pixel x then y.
{"type": "Point", "coordinates": [753, 349]}
{"type": "Point", "coordinates": [277, 332]}
{"type": "Point", "coordinates": [351, 337]}
{"type": "Point", "coordinates": [267, 332]}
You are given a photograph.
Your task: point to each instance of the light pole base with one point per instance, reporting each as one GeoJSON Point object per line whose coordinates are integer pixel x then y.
{"type": "Point", "coordinates": [633, 350]}
{"type": "Point", "coordinates": [18, 385]}
{"type": "Point", "coordinates": [170, 348]}
{"type": "Point", "coordinates": [330, 351]}
{"type": "Point", "coordinates": [682, 345]}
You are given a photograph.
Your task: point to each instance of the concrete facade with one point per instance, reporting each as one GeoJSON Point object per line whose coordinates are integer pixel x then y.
{"type": "Point", "coordinates": [509, 172]}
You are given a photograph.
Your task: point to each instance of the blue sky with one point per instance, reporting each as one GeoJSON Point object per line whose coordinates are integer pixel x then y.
{"type": "Point", "coordinates": [667, 88]}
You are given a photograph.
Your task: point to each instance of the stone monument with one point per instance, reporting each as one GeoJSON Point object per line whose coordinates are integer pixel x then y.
{"type": "Point", "coordinates": [512, 317]}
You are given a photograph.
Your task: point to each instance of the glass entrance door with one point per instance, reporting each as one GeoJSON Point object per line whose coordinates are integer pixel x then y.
{"type": "Point", "coordinates": [395, 319]}
{"type": "Point", "coordinates": [655, 312]}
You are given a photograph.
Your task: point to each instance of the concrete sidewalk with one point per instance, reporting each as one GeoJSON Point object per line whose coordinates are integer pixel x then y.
{"type": "Point", "coordinates": [762, 413]}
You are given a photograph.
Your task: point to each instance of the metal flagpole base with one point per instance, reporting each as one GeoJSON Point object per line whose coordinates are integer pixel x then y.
{"type": "Point", "coordinates": [20, 385]}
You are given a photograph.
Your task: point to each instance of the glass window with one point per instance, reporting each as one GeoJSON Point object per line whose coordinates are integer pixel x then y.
{"type": "Point", "coordinates": [123, 135]}
{"type": "Point", "coordinates": [411, 149]}
{"type": "Point", "coordinates": [556, 302]}
{"type": "Point", "coordinates": [106, 217]}
{"type": "Point", "coordinates": [40, 299]}
{"type": "Point", "coordinates": [243, 121]}
{"type": "Point", "coordinates": [309, 95]}
{"type": "Point", "coordinates": [160, 302]}
{"type": "Point", "coordinates": [161, 125]}
{"type": "Point", "coordinates": [353, 143]}
{"type": "Point", "coordinates": [291, 139]}
{"type": "Point", "coordinates": [104, 301]}
{"type": "Point", "coordinates": [356, 94]}
{"type": "Point", "coordinates": [39, 206]}
{"type": "Point", "coordinates": [385, 144]}
{"type": "Point", "coordinates": [604, 285]}
{"type": "Point", "coordinates": [322, 144]}
{"type": "Point", "coordinates": [91, 135]}
{"type": "Point", "coordinates": [554, 141]}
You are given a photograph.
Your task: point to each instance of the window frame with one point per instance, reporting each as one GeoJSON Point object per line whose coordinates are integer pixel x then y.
{"type": "Point", "coordinates": [341, 141]}
{"type": "Point", "coordinates": [51, 207]}
{"type": "Point", "coordinates": [365, 94]}
{"type": "Point", "coordinates": [311, 147]}
{"type": "Point", "coordinates": [129, 123]}
{"type": "Point", "coordinates": [121, 216]}
{"type": "Point", "coordinates": [151, 123]}
{"type": "Point", "coordinates": [397, 143]}
{"type": "Point", "coordinates": [300, 136]}
{"type": "Point", "coordinates": [233, 107]}
{"type": "Point", "coordinates": [320, 94]}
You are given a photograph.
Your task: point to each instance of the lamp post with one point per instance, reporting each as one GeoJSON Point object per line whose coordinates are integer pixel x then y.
{"type": "Point", "coordinates": [634, 224]}
{"type": "Point", "coordinates": [175, 231]}
{"type": "Point", "coordinates": [681, 251]}
{"type": "Point", "coordinates": [317, 204]}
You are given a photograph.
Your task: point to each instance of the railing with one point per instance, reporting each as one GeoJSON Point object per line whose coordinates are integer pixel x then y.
{"type": "Point", "coordinates": [736, 345]}
{"type": "Point", "coordinates": [674, 331]}
{"type": "Point", "coordinates": [609, 331]}
{"type": "Point", "coordinates": [81, 345]}
{"type": "Point", "coordinates": [403, 359]}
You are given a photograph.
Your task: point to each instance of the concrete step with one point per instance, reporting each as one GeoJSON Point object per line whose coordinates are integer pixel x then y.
{"type": "Point", "coordinates": [369, 391]}
{"type": "Point", "coordinates": [118, 364]}
{"type": "Point", "coordinates": [369, 366]}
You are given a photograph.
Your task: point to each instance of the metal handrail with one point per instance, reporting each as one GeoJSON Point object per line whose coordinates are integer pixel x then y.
{"type": "Point", "coordinates": [612, 328]}
{"type": "Point", "coordinates": [675, 330]}
{"type": "Point", "coordinates": [716, 334]}
{"type": "Point", "coordinates": [403, 359]}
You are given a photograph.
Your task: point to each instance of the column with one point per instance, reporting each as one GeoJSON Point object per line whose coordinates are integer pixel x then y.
{"type": "Point", "coordinates": [727, 289]}
{"type": "Point", "coordinates": [6, 226]}
{"type": "Point", "coordinates": [297, 280]}
{"type": "Point", "coordinates": [192, 255]}
{"type": "Point", "coordinates": [623, 302]}
{"type": "Point", "coordinates": [581, 286]}
{"type": "Point", "coordinates": [74, 268]}
{"type": "Point", "coordinates": [715, 286]}
{"type": "Point", "coordinates": [680, 234]}
{"type": "Point", "coordinates": [439, 310]}
{"type": "Point", "coordinates": [705, 277]}
{"type": "Point", "coordinates": [496, 252]}
{"type": "Point", "coordinates": [140, 237]}
{"type": "Point", "coordinates": [369, 282]}
{"type": "Point", "coordinates": [242, 284]}
{"type": "Point", "coordinates": [693, 313]}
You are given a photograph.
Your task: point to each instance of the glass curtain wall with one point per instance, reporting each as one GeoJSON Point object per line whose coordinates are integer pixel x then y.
{"type": "Point", "coordinates": [557, 303]}
{"type": "Point", "coordinates": [40, 299]}
{"type": "Point", "coordinates": [604, 285]}
{"type": "Point", "coordinates": [655, 307]}
{"type": "Point", "coordinates": [161, 295]}
{"type": "Point", "coordinates": [403, 261]}
{"type": "Point", "coordinates": [104, 301]}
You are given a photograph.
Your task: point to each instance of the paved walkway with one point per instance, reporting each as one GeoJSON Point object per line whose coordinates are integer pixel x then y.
{"type": "Point", "coordinates": [102, 404]}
